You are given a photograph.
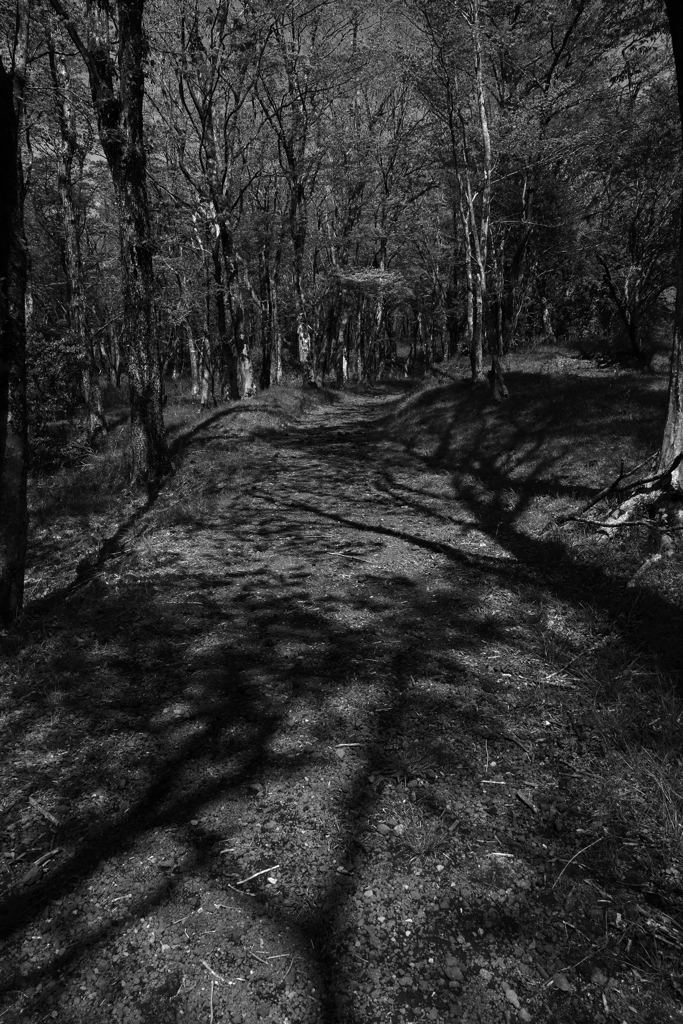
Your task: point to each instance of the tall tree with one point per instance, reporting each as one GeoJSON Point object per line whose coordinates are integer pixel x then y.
{"type": "Point", "coordinates": [294, 90]}
{"type": "Point", "coordinates": [67, 151]}
{"type": "Point", "coordinates": [117, 84]}
{"type": "Point", "coordinates": [671, 454]}
{"type": "Point", "coordinates": [13, 274]}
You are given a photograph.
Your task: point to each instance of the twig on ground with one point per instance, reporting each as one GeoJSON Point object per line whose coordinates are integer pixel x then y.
{"type": "Point", "coordinates": [240, 891]}
{"type": "Point", "coordinates": [211, 1004]}
{"type": "Point", "coordinates": [46, 857]}
{"type": "Point", "coordinates": [291, 964]}
{"type": "Point", "coordinates": [46, 814]}
{"type": "Point", "coordinates": [525, 800]}
{"type": "Point", "coordinates": [215, 973]}
{"type": "Point", "coordinates": [257, 873]}
{"type": "Point", "coordinates": [513, 739]}
{"type": "Point", "coordinates": [594, 843]}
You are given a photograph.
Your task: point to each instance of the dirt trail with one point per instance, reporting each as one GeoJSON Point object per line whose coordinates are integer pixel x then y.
{"type": "Point", "coordinates": [308, 761]}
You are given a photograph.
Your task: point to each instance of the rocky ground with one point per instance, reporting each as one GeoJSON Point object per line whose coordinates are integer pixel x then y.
{"type": "Point", "coordinates": [314, 737]}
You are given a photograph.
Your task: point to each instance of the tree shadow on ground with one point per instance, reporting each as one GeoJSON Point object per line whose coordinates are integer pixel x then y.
{"type": "Point", "coordinates": [234, 656]}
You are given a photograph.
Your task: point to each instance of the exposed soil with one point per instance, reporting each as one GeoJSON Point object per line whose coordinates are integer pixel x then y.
{"type": "Point", "coordinates": [317, 737]}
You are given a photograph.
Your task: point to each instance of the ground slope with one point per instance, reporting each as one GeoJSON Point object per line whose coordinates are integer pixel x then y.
{"type": "Point", "coordinates": [315, 738]}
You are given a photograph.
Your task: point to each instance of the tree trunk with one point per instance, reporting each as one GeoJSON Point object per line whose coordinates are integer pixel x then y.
{"type": "Point", "coordinates": [671, 452]}
{"type": "Point", "coordinates": [548, 332]}
{"type": "Point", "coordinates": [473, 329]}
{"type": "Point", "coordinates": [297, 223]}
{"type": "Point", "coordinates": [13, 272]}
{"type": "Point", "coordinates": [342, 358]}
{"type": "Point", "coordinates": [227, 350]}
{"type": "Point", "coordinates": [672, 442]}
{"type": "Point", "coordinates": [118, 93]}
{"type": "Point", "coordinates": [194, 362]}
{"type": "Point", "coordinates": [274, 323]}
{"type": "Point", "coordinates": [78, 320]}
{"type": "Point", "coordinates": [206, 378]}
{"type": "Point", "coordinates": [450, 322]}
{"type": "Point", "coordinates": [477, 347]}
{"type": "Point", "coordinates": [271, 338]}
{"type": "Point", "coordinates": [240, 342]}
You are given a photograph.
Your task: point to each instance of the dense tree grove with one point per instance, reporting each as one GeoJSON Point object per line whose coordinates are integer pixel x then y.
{"type": "Point", "coordinates": [241, 189]}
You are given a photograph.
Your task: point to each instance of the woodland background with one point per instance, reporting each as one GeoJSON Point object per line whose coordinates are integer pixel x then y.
{"type": "Point", "coordinates": [237, 191]}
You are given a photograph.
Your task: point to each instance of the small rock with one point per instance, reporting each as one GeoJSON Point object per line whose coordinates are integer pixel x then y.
{"type": "Point", "coordinates": [383, 829]}
{"type": "Point", "coordinates": [453, 973]}
{"type": "Point", "coordinates": [560, 981]}
{"type": "Point", "coordinates": [524, 1015]}
{"type": "Point", "coordinates": [598, 978]}
{"type": "Point", "coordinates": [511, 997]}
{"type": "Point", "coordinates": [368, 894]}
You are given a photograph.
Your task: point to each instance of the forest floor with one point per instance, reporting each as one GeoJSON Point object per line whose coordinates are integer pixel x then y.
{"type": "Point", "coordinates": [337, 727]}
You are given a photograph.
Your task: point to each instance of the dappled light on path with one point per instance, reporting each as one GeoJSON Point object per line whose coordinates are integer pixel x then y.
{"type": "Point", "coordinates": [306, 747]}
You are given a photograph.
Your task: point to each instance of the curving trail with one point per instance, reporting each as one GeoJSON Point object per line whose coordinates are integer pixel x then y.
{"type": "Point", "coordinates": [316, 760]}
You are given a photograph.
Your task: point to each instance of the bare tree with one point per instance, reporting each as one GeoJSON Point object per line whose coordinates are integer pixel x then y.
{"type": "Point", "coordinates": [13, 274]}
{"type": "Point", "coordinates": [671, 454]}
{"type": "Point", "coordinates": [67, 150]}
{"type": "Point", "coordinates": [117, 85]}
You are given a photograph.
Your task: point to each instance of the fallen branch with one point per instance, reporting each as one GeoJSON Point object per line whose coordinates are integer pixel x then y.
{"type": "Point", "coordinates": [657, 482]}
{"type": "Point", "coordinates": [605, 524]}
{"type": "Point", "coordinates": [610, 489]}
{"type": "Point", "coordinates": [257, 873]}
{"type": "Point", "coordinates": [46, 814]}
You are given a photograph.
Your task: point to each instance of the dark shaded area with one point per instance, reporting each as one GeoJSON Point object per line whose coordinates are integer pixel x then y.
{"type": "Point", "coordinates": [334, 585]}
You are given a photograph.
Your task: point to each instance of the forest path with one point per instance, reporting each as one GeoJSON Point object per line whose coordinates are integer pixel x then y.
{"type": "Point", "coordinates": [310, 755]}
